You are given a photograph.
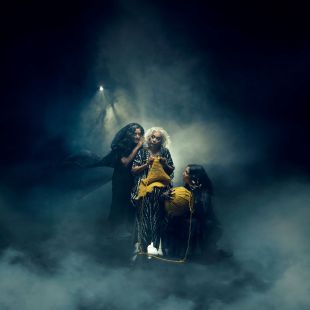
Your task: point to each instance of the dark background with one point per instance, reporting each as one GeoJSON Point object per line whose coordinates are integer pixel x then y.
{"type": "Point", "coordinates": [227, 79]}
{"type": "Point", "coordinates": [256, 54]}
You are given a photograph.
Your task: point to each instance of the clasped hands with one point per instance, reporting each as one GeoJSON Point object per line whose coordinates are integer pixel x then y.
{"type": "Point", "coordinates": [167, 195]}
{"type": "Point", "coordinates": [162, 160]}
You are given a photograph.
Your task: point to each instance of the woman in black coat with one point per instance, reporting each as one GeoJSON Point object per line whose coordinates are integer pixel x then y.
{"type": "Point", "coordinates": [124, 148]}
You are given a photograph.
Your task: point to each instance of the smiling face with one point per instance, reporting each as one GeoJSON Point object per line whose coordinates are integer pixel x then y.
{"type": "Point", "coordinates": [155, 140]}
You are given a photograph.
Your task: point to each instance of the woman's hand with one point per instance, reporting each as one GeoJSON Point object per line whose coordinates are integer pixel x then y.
{"type": "Point", "coordinates": [166, 196]}
{"type": "Point", "coordinates": [151, 160]}
{"type": "Point", "coordinates": [163, 161]}
{"type": "Point", "coordinates": [141, 141]}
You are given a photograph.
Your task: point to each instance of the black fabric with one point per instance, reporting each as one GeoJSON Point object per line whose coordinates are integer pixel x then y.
{"type": "Point", "coordinates": [205, 229]}
{"type": "Point", "coordinates": [121, 212]}
{"type": "Point", "coordinates": [121, 141]}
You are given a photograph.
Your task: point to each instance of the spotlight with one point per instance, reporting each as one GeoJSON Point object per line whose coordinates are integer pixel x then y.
{"type": "Point", "coordinates": [101, 88]}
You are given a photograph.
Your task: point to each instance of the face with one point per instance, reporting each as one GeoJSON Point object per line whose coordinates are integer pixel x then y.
{"type": "Point", "coordinates": [137, 135]}
{"type": "Point", "coordinates": [186, 177]}
{"type": "Point", "coordinates": [155, 139]}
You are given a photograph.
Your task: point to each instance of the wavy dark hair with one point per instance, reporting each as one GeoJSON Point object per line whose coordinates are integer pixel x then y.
{"type": "Point", "coordinates": [199, 178]}
{"type": "Point", "coordinates": [124, 137]}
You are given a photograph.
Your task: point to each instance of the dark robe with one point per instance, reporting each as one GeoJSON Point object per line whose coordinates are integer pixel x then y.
{"type": "Point", "coordinates": [121, 212]}
{"type": "Point", "coordinates": [204, 234]}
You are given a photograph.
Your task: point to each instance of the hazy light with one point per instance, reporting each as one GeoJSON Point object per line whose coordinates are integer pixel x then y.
{"type": "Point", "coordinates": [101, 88]}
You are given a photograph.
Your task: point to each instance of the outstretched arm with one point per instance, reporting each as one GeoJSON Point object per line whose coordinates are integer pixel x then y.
{"type": "Point", "coordinates": [138, 169]}
{"type": "Point", "coordinates": [107, 161]}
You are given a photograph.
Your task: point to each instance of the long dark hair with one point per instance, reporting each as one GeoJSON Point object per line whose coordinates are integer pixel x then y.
{"type": "Point", "coordinates": [124, 137]}
{"type": "Point", "coordinates": [199, 179]}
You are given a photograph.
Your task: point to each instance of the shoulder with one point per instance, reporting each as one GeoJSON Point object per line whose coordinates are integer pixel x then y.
{"type": "Point", "coordinates": [164, 150]}
{"type": "Point", "coordinates": [142, 151]}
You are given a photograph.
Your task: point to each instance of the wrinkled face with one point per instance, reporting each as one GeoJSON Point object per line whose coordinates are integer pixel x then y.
{"type": "Point", "coordinates": [137, 135]}
{"type": "Point", "coordinates": [186, 177]}
{"type": "Point", "coordinates": [155, 139]}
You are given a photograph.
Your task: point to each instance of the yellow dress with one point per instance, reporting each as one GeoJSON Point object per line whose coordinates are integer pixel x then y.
{"type": "Point", "coordinates": [157, 177]}
{"type": "Point", "coordinates": [181, 202]}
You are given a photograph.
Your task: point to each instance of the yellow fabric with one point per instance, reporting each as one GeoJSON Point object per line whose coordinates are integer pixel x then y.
{"type": "Point", "coordinates": [157, 177]}
{"type": "Point", "coordinates": [180, 203]}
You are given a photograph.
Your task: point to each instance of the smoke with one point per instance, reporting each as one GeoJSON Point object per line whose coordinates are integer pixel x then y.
{"type": "Point", "coordinates": [269, 235]}
{"type": "Point", "coordinates": [266, 227]}
{"type": "Point", "coordinates": [156, 83]}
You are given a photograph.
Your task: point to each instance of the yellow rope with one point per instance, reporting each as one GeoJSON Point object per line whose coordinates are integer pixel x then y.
{"type": "Point", "coordinates": [179, 261]}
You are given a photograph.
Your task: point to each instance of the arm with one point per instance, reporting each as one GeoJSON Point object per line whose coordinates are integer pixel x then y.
{"type": "Point", "coordinates": [168, 168]}
{"type": "Point", "coordinates": [127, 160]}
{"type": "Point", "coordinates": [167, 163]}
{"type": "Point", "coordinates": [139, 163]}
{"type": "Point", "coordinates": [138, 169]}
{"type": "Point", "coordinates": [107, 161]}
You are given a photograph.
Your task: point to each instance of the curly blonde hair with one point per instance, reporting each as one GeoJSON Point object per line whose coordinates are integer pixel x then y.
{"type": "Point", "coordinates": [165, 137]}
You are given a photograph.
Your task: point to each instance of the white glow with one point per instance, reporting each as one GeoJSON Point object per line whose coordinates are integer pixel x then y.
{"type": "Point", "coordinates": [101, 88]}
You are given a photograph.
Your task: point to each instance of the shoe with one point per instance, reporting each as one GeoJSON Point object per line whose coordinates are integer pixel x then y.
{"type": "Point", "coordinates": [151, 249]}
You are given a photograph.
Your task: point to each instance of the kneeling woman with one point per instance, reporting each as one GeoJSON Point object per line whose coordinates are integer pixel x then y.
{"type": "Point", "coordinates": [153, 171]}
{"type": "Point", "coordinates": [194, 235]}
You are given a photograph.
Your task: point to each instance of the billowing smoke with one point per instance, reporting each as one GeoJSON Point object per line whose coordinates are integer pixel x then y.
{"type": "Point", "coordinates": [267, 228]}
{"type": "Point", "coordinates": [164, 87]}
